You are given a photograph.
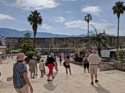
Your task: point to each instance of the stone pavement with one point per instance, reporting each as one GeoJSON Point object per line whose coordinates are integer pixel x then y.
{"type": "Point", "coordinates": [112, 81]}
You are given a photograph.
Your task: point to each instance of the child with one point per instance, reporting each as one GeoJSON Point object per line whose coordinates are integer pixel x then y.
{"type": "Point", "coordinates": [32, 67]}
{"type": "Point", "coordinates": [42, 68]}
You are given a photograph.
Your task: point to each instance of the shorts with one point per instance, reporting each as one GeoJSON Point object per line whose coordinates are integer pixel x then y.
{"type": "Point", "coordinates": [93, 69]}
{"type": "Point", "coordinates": [86, 66]}
{"type": "Point", "coordinates": [67, 66]}
{"type": "Point", "coordinates": [42, 71]}
{"type": "Point", "coordinates": [24, 89]}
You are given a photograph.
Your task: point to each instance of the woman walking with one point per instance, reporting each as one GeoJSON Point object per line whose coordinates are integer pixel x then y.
{"type": "Point", "coordinates": [42, 68]}
{"type": "Point", "coordinates": [51, 63]}
{"type": "Point", "coordinates": [20, 75]}
{"type": "Point", "coordinates": [67, 65]}
{"type": "Point", "coordinates": [32, 67]}
{"type": "Point", "coordinates": [86, 63]}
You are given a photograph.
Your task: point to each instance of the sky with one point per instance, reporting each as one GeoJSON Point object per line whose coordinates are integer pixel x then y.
{"type": "Point", "coordinates": [62, 16]}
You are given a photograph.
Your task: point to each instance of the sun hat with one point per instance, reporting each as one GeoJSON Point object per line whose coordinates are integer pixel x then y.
{"type": "Point", "coordinates": [21, 56]}
{"type": "Point", "coordinates": [51, 54]}
{"type": "Point", "coordinates": [93, 52]}
{"type": "Point", "coordinates": [86, 55]}
{"type": "Point", "coordinates": [42, 60]}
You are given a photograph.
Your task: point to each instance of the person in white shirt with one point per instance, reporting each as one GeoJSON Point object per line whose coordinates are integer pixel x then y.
{"type": "Point", "coordinates": [94, 61]}
{"type": "Point", "coordinates": [42, 68]}
{"type": "Point", "coordinates": [32, 67]}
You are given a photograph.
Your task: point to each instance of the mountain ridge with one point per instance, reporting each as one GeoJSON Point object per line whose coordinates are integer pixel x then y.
{"type": "Point", "coordinates": [7, 32]}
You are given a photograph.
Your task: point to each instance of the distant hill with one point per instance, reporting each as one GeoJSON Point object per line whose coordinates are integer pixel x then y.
{"type": "Point", "coordinates": [15, 33]}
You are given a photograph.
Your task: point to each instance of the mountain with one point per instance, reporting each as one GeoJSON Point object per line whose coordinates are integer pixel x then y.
{"type": "Point", "coordinates": [7, 32]}
{"type": "Point", "coordinates": [15, 33]}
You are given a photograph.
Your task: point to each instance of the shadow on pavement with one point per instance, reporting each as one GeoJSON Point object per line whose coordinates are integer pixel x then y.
{"type": "Point", "coordinates": [100, 89]}
{"type": "Point", "coordinates": [50, 86]}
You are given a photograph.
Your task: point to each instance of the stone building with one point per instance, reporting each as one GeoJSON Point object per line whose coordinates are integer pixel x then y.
{"type": "Point", "coordinates": [64, 42]}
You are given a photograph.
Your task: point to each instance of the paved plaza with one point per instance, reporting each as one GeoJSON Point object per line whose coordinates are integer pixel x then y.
{"type": "Point", "coordinates": [79, 82]}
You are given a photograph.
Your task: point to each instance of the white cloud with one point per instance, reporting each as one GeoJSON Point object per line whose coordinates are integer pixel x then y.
{"type": "Point", "coordinates": [3, 2]}
{"type": "Point", "coordinates": [79, 24]}
{"type": "Point", "coordinates": [4, 17]}
{"type": "Point", "coordinates": [104, 20]}
{"type": "Point", "coordinates": [46, 27]}
{"type": "Point", "coordinates": [92, 9]}
{"type": "Point", "coordinates": [36, 4]}
{"type": "Point", "coordinates": [59, 19]}
{"type": "Point", "coordinates": [68, 0]}
{"type": "Point", "coordinates": [68, 12]}
{"type": "Point", "coordinates": [76, 24]}
{"type": "Point", "coordinates": [101, 26]}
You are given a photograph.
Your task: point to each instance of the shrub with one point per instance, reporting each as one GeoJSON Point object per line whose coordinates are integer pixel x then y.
{"type": "Point", "coordinates": [120, 55]}
{"type": "Point", "coordinates": [79, 56]}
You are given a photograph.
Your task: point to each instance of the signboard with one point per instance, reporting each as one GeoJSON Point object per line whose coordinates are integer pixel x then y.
{"type": "Point", "coordinates": [105, 53]}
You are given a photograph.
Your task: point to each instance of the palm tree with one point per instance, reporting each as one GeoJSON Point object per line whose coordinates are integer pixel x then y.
{"type": "Point", "coordinates": [88, 18]}
{"type": "Point", "coordinates": [34, 19]}
{"type": "Point", "coordinates": [118, 9]}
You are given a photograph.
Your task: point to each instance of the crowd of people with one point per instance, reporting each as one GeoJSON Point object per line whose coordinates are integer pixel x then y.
{"type": "Point", "coordinates": [20, 73]}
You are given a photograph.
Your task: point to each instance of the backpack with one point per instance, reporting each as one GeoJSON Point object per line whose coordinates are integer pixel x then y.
{"type": "Point", "coordinates": [85, 61]}
{"type": "Point", "coordinates": [64, 64]}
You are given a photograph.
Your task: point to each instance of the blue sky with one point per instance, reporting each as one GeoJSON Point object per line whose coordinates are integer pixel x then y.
{"type": "Point", "coordinates": [61, 16]}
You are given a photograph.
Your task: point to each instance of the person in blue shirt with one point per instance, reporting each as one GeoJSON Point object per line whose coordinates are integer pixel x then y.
{"type": "Point", "coordinates": [20, 79]}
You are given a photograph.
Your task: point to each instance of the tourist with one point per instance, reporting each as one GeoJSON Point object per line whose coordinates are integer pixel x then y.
{"type": "Point", "coordinates": [32, 65]}
{"type": "Point", "coordinates": [42, 68]}
{"type": "Point", "coordinates": [0, 64]}
{"type": "Point", "coordinates": [67, 65]}
{"type": "Point", "coordinates": [86, 63]}
{"type": "Point", "coordinates": [20, 78]}
{"type": "Point", "coordinates": [36, 67]}
{"type": "Point", "coordinates": [38, 57]}
{"type": "Point", "coordinates": [51, 63]}
{"type": "Point", "coordinates": [94, 61]}
{"type": "Point", "coordinates": [60, 58]}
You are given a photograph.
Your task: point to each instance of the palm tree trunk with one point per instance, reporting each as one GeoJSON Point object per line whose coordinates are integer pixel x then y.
{"type": "Point", "coordinates": [34, 40]}
{"type": "Point", "coordinates": [88, 29]}
{"type": "Point", "coordinates": [118, 35]}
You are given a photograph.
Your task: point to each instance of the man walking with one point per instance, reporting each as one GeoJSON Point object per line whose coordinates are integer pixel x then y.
{"type": "Point", "coordinates": [20, 79]}
{"type": "Point", "coordinates": [94, 61]}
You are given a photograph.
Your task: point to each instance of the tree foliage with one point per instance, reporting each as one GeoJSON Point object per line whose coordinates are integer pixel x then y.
{"type": "Point", "coordinates": [27, 46]}
{"type": "Point", "coordinates": [118, 9]}
{"type": "Point", "coordinates": [34, 19]}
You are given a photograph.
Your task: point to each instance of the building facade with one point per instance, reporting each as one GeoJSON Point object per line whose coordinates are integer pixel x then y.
{"type": "Point", "coordinates": [65, 42]}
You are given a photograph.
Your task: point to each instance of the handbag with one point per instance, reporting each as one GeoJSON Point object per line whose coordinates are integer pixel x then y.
{"type": "Point", "coordinates": [46, 63]}
{"type": "Point", "coordinates": [64, 64]}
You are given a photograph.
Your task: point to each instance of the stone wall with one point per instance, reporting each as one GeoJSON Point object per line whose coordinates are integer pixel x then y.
{"type": "Point", "coordinates": [107, 66]}
{"type": "Point", "coordinates": [104, 66]}
{"type": "Point", "coordinates": [120, 66]}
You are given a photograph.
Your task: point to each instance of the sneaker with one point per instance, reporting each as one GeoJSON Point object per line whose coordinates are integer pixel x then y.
{"type": "Point", "coordinates": [96, 81]}
{"type": "Point", "coordinates": [49, 80]}
{"type": "Point", "coordinates": [53, 77]}
{"type": "Point", "coordinates": [91, 83]}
